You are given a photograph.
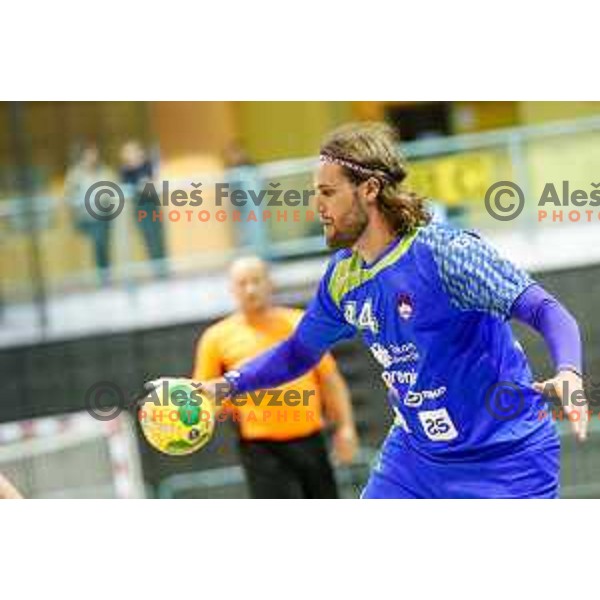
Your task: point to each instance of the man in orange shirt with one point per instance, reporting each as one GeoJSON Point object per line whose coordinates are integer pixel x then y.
{"type": "Point", "coordinates": [282, 446]}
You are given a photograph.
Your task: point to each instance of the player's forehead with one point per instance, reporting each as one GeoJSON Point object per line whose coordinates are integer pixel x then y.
{"type": "Point", "coordinates": [329, 175]}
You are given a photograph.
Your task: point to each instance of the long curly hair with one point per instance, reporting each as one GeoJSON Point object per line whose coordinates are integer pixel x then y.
{"type": "Point", "coordinates": [365, 150]}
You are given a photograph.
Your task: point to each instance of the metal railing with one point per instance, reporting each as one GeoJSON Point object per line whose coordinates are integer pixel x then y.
{"type": "Point", "coordinates": [457, 168]}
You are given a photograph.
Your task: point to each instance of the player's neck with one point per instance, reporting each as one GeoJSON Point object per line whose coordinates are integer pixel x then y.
{"type": "Point", "coordinates": [374, 241]}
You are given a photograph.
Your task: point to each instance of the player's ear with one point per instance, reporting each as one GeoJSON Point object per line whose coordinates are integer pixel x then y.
{"type": "Point", "coordinates": [372, 187]}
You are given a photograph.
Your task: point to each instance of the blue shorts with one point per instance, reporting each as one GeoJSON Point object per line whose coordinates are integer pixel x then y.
{"type": "Point", "coordinates": [530, 471]}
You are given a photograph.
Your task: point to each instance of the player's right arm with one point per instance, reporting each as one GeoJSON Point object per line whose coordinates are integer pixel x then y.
{"type": "Point", "coordinates": [322, 325]}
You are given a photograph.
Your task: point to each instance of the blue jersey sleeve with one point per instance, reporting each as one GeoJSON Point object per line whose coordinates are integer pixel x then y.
{"type": "Point", "coordinates": [474, 275]}
{"type": "Point", "coordinates": [541, 311]}
{"type": "Point", "coordinates": [323, 323]}
{"type": "Point", "coordinates": [321, 326]}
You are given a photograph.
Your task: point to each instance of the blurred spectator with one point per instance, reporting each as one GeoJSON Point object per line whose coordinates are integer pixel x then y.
{"type": "Point", "coordinates": [242, 174]}
{"type": "Point", "coordinates": [85, 172]}
{"type": "Point", "coordinates": [137, 171]}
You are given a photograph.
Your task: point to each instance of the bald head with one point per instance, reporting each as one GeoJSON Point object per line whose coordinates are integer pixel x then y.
{"type": "Point", "coordinates": [248, 263]}
{"type": "Point", "coordinates": [251, 284]}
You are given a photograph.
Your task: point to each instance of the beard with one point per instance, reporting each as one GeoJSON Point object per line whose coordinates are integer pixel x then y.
{"type": "Point", "coordinates": [348, 228]}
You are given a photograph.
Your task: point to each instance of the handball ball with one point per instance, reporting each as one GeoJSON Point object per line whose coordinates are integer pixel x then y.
{"type": "Point", "coordinates": [176, 419]}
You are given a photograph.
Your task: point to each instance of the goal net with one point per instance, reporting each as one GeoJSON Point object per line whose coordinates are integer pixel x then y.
{"type": "Point", "coordinates": [72, 456]}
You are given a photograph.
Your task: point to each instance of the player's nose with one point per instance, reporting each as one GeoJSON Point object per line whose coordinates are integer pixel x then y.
{"type": "Point", "coordinates": [319, 203]}
{"type": "Point", "coordinates": [321, 210]}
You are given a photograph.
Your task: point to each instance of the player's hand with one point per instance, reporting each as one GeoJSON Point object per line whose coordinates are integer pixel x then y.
{"type": "Point", "coordinates": [345, 444]}
{"type": "Point", "coordinates": [568, 386]}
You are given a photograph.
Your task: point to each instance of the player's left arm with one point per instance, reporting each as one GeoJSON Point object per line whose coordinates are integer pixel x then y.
{"type": "Point", "coordinates": [544, 313]}
{"type": "Point", "coordinates": [476, 277]}
{"type": "Point", "coordinates": [337, 407]}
